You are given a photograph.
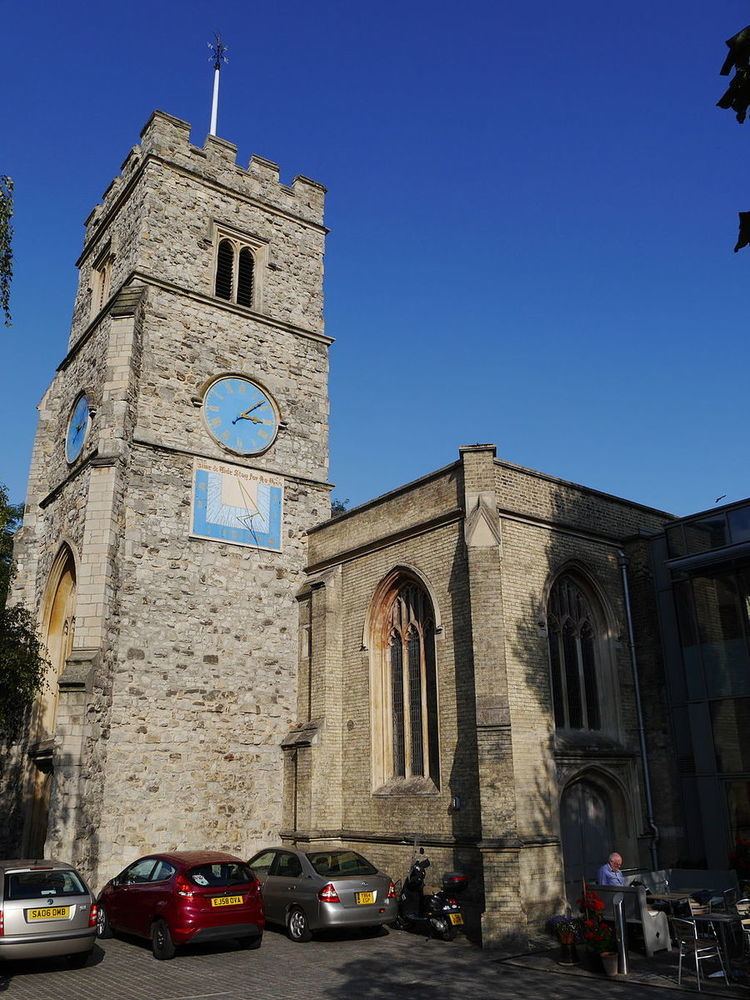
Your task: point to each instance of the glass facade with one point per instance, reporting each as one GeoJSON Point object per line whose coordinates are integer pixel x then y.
{"type": "Point", "coordinates": [705, 580]}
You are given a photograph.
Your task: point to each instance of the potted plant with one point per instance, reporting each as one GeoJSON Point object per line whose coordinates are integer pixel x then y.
{"type": "Point", "coordinates": [567, 930]}
{"type": "Point", "coordinates": [598, 933]}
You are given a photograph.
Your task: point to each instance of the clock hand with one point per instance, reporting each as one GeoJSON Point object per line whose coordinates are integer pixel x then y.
{"type": "Point", "coordinates": [246, 414]}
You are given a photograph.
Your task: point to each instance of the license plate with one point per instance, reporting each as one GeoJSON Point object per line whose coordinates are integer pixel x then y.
{"type": "Point", "coordinates": [49, 913]}
{"type": "Point", "coordinates": [226, 900]}
{"type": "Point", "coordinates": [364, 897]}
{"type": "Point", "coordinates": [456, 918]}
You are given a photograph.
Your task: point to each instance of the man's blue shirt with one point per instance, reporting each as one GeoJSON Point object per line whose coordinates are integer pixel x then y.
{"type": "Point", "coordinates": [608, 876]}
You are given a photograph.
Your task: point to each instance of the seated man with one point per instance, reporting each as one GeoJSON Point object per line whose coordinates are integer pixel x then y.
{"type": "Point", "coordinates": [609, 873]}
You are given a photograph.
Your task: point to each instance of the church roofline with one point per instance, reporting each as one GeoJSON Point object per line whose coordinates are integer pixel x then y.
{"type": "Point", "coordinates": [502, 463]}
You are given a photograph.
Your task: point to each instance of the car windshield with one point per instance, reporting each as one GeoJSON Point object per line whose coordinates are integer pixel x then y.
{"type": "Point", "coordinates": [221, 874]}
{"type": "Point", "coordinates": [38, 884]}
{"type": "Point", "coordinates": [340, 863]}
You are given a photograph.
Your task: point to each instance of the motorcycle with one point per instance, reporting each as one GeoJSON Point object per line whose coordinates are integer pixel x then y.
{"type": "Point", "coordinates": [439, 913]}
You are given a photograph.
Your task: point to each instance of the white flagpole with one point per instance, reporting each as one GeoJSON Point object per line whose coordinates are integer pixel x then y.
{"type": "Point", "coordinates": [219, 57]}
{"type": "Point", "coordinates": [215, 102]}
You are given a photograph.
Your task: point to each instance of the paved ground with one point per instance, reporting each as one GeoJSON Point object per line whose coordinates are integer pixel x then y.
{"type": "Point", "coordinates": [351, 967]}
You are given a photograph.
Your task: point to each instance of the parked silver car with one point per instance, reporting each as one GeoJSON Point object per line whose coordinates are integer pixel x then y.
{"type": "Point", "coordinates": [322, 889]}
{"type": "Point", "coordinates": [46, 909]}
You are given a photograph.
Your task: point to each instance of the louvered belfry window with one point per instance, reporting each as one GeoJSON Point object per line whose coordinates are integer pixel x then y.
{"type": "Point", "coordinates": [235, 273]}
{"type": "Point", "coordinates": [245, 277]}
{"type": "Point", "coordinates": [572, 634]}
{"type": "Point", "coordinates": [413, 685]}
{"type": "Point", "coordinates": [225, 270]}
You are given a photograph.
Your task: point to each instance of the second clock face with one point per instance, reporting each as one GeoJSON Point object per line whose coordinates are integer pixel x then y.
{"type": "Point", "coordinates": [240, 416]}
{"type": "Point", "coordinates": [78, 426]}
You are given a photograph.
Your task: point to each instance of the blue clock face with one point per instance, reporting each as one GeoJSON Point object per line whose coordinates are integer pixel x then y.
{"type": "Point", "coordinates": [78, 427]}
{"type": "Point", "coordinates": [240, 416]}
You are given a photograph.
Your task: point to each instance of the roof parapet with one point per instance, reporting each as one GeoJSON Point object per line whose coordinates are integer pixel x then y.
{"type": "Point", "coordinates": [168, 138]}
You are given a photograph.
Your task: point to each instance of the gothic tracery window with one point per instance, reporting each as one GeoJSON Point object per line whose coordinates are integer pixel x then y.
{"type": "Point", "coordinates": [573, 633]}
{"type": "Point", "coordinates": [235, 272]}
{"type": "Point", "coordinates": [411, 704]}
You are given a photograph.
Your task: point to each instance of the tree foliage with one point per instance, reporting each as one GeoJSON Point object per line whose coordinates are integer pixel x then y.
{"type": "Point", "coordinates": [6, 244]}
{"type": "Point", "coordinates": [339, 506]}
{"type": "Point", "coordinates": [23, 664]}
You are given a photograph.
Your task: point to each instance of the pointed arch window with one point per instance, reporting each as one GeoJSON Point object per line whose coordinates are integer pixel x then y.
{"type": "Point", "coordinates": [574, 637]}
{"type": "Point", "coordinates": [235, 272]}
{"type": "Point", "coordinates": [408, 712]}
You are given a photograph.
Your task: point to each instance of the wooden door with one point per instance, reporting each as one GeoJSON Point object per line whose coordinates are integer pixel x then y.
{"type": "Point", "coordinates": [587, 836]}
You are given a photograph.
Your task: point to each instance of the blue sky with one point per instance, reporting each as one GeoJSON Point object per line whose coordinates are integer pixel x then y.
{"type": "Point", "coordinates": [533, 209]}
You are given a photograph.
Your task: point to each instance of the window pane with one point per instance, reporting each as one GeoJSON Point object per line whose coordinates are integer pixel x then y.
{"type": "Point", "coordinates": [589, 678]}
{"type": "Point", "coordinates": [140, 871]}
{"type": "Point", "coordinates": [397, 694]}
{"type": "Point", "coordinates": [708, 533]}
{"type": "Point", "coordinates": [432, 707]}
{"type": "Point", "coordinates": [38, 885]}
{"type": "Point", "coordinates": [245, 278]}
{"type": "Point", "coordinates": [720, 602]}
{"type": "Point", "coordinates": [288, 865]}
{"type": "Point", "coordinates": [572, 678]}
{"type": "Point", "coordinates": [730, 720]}
{"type": "Point", "coordinates": [162, 872]}
{"type": "Point", "coordinates": [328, 863]}
{"type": "Point", "coordinates": [557, 688]}
{"type": "Point", "coordinates": [691, 654]}
{"type": "Point", "coordinates": [675, 542]}
{"type": "Point", "coordinates": [224, 268]}
{"type": "Point", "coordinates": [739, 524]}
{"type": "Point", "coordinates": [738, 800]}
{"type": "Point", "coordinates": [415, 704]}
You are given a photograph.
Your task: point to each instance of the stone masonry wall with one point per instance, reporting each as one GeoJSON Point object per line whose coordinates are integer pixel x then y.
{"type": "Point", "coordinates": [182, 680]}
{"type": "Point", "coordinates": [205, 635]}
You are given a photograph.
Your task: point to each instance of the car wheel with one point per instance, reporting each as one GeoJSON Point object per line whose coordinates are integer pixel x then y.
{"type": "Point", "coordinates": [103, 929]}
{"type": "Point", "coordinates": [297, 926]}
{"type": "Point", "coordinates": [78, 960]}
{"type": "Point", "coordinates": [161, 941]}
{"type": "Point", "coordinates": [251, 943]}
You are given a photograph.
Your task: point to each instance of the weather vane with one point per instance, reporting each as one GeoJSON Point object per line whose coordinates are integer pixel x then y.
{"type": "Point", "coordinates": [218, 56]}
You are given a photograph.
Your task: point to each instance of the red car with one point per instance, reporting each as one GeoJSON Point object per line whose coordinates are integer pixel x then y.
{"type": "Point", "coordinates": [184, 897]}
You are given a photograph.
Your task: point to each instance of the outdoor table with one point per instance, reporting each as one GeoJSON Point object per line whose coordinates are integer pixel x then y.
{"type": "Point", "coordinates": [721, 921]}
{"type": "Point", "coordinates": [671, 895]}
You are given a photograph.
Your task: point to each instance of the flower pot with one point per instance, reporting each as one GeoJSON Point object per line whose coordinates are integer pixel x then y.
{"type": "Point", "coordinates": [609, 961]}
{"type": "Point", "coordinates": [568, 953]}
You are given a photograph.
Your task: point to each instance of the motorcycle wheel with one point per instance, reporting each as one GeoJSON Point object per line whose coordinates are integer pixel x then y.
{"type": "Point", "coordinates": [444, 929]}
{"type": "Point", "coordinates": [401, 924]}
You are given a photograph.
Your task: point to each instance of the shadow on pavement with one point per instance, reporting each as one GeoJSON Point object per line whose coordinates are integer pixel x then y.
{"type": "Point", "coordinates": [30, 967]}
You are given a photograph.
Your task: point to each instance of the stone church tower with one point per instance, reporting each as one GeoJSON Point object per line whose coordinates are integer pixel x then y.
{"type": "Point", "coordinates": [181, 454]}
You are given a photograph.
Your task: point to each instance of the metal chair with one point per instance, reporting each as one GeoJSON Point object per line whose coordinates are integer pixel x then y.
{"type": "Point", "coordinates": [701, 948]}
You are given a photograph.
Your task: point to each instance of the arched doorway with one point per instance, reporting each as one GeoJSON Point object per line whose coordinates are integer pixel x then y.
{"type": "Point", "coordinates": [588, 833]}
{"type": "Point", "coordinates": [58, 626]}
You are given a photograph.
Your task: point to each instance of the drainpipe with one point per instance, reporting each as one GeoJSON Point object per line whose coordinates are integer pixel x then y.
{"type": "Point", "coordinates": [623, 563]}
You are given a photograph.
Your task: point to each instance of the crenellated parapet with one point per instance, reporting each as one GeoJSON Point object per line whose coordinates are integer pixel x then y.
{"type": "Point", "coordinates": [167, 139]}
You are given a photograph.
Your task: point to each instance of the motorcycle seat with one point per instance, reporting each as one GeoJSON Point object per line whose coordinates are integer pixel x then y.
{"type": "Point", "coordinates": [430, 890]}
